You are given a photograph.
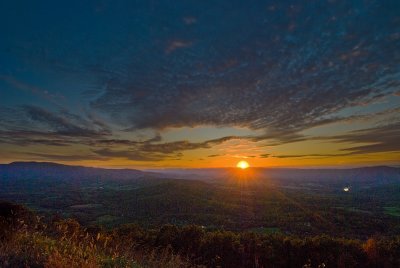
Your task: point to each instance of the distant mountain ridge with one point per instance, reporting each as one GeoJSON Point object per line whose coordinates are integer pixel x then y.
{"type": "Point", "coordinates": [375, 175]}
{"type": "Point", "coordinates": [17, 170]}
{"type": "Point", "coordinates": [369, 175]}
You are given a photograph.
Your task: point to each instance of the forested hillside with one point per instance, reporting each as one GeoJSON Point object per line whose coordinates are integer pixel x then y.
{"type": "Point", "coordinates": [27, 240]}
{"type": "Point", "coordinates": [302, 206]}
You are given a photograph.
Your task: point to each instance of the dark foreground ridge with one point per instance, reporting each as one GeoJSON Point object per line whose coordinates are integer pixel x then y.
{"type": "Point", "coordinates": [27, 240]}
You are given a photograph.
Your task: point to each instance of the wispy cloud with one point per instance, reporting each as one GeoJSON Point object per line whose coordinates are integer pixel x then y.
{"type": "Point", "coordinates": [150, 151]}
{"type": "Point", "coordinates": [176, 44]}
{"type": "Point", "coordinates": [21, 85]}
{"type": "Point", "coordinates": [66, 157]}
{"type": "Point", "coordinates": [377, 139]}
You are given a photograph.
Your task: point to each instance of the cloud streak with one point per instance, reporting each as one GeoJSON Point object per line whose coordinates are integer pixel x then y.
{"type": "Point", "coordinates": [378, 139]}
{"type": "Point", "coordinates": [150, 151]}
{"type": "Point", "coordinates": [38, 126]}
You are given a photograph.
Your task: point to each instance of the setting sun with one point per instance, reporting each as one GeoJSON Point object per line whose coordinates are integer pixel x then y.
{"type": "Point", "coordinates": [242, 165]}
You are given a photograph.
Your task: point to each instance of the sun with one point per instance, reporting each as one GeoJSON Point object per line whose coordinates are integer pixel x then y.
{"type": "Point", "coordinates": [242, 164]}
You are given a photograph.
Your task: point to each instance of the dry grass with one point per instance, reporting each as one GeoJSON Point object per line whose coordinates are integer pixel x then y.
{"type": "Point", "coordinates": [66, 244]}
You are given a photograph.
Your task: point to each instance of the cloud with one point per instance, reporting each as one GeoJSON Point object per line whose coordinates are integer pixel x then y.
{"type": "Point", "coordinates": [279, 137]}
{"type": "Point", "coordinates": [177, 146]}
{"type": "Point", "coordinates": [30, 124]}
{"type": "Point", "coordinates": [309, 155]}
{"type": "Point", "coordinates": [150, 151]}
{"type": "Point", "coordinates": [38, 126]}
{"type": "Point", "coordinates": [189, 20]}
{"type": "Point", "coordinates": [282, 81]}
{"type": "Point", "coordinates": [66, 157]}
{"type": "Point", "coordinates": [131, 155]}
{"type": "Point", "coordinates": [15, 83]}
{"type": "Point", "coordinates": [378, 139]}
{"type": "Point", "coordinates": [61, 123]}
{"type": "Point", "coordinates": [176, 44]}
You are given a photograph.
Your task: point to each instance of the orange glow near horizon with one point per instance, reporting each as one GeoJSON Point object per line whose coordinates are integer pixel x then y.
{"type": "Point", "coordinates": [222, 157]}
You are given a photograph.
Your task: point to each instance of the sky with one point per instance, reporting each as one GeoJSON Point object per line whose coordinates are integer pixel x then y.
{"type": "Point", "coordinates": [193, 84]}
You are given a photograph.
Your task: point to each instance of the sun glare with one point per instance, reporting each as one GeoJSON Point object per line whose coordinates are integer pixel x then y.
{"type": "Point", "coordinates": [242, 165]}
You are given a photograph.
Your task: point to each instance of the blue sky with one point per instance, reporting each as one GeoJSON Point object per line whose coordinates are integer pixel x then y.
{"type": "Point", "coordinates": [200, 83]}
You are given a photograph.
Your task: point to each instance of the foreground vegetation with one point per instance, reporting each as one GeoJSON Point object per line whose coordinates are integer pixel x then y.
{"type": "Point", "coordinates": [27, 240]}
{"type": "Point", "coordinates": [30, 241]}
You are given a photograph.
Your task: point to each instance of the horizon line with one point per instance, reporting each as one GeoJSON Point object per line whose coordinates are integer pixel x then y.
{"type": "Point", "coordinates": [150, 169]}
